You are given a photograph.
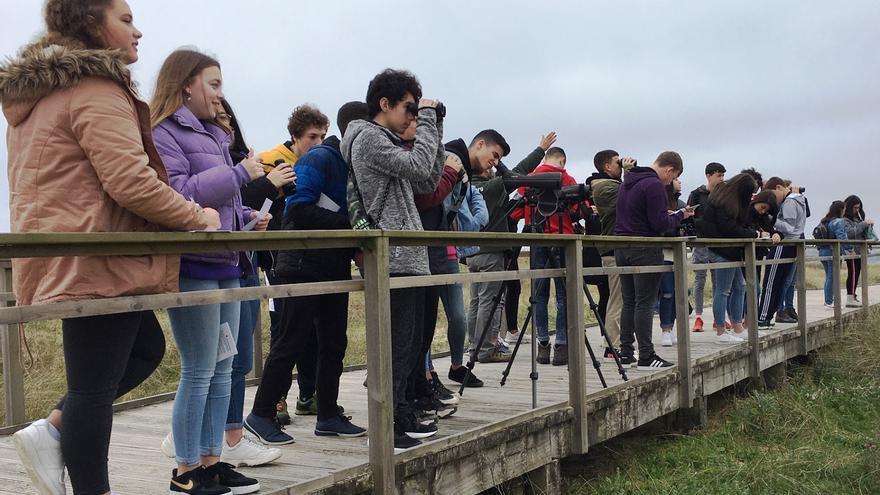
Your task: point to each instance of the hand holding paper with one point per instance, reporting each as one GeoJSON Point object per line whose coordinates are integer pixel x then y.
{"type": "Point", "coordinates": [259, 220]}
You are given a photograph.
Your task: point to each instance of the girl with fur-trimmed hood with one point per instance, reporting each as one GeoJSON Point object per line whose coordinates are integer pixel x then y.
{"type": "Point", "coordinates": [81, 159]}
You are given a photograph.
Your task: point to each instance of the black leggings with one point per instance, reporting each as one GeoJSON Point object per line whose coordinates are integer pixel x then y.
{"type": "Point", "coordinates": [105, 357]}
{"type": "Point", "coordinates": [853, 271]}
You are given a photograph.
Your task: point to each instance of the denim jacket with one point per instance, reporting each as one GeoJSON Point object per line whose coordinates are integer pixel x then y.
{"type": "Point", "coordinates": [471, 213]}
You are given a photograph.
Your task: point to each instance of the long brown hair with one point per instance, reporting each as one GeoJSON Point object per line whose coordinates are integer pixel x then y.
{"type": "Point", "coordinates": [77, 19]}
{"type": "Point", "coordinates": [178, 70]}
{"type": "Point", "coordinates": [733, 195]}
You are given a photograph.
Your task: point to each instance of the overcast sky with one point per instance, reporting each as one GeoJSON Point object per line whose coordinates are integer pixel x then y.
{"type": "Point", "coordinates": [790, 87]}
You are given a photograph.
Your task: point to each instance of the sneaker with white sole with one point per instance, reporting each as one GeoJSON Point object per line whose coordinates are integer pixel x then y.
{"type": "Point", "coordinates": [728, 338]}
{"type": "Point", "coordinates": [248, 453]}
{"type": "Point", "coordinates": [666, 339]}
{"type": "Point", "coordinates": [167, 447]}
{"type": "Point", "coordinates": [41, 456]}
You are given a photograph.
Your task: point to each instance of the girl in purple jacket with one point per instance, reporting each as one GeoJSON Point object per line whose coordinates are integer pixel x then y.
{"type": "Point", "coordinates": [194, 149]}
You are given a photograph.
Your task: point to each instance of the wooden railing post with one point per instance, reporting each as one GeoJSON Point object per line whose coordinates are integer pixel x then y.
{"type": "Point", "coordinates": [752, 302]}
{"type": "Point", "coordinates": [380, 400]}
{"type": "Point", "coordinates": [13, 374]}
{"type": "Point", "coordinates": [835, 271]}
{"type": "Point", "coordinates": [577, 355]}
{"type": "Point", "coordinates": [682, 322]}
{"type": "Point", "coordinates": [866, 280]}
{"type": "Point", "coordinates": [801, 285]}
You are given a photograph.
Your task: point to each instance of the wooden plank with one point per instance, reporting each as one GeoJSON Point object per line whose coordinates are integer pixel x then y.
{"type": "Point", "coordinates": [380, 401]}
{"type": "Point", "coordinates": [752, 302]}
{"type": "Point", "coordinates": [465, 278]}
{"type": "Point", "coordinates": [682, 321]}
{"type": "Point", "coordinates": [13, 373]}
{"type": "Point", "coordinates": [802, 296]}
{"type": "Point", "coordinates": [577, 356]}
{"type": "Point", "coordinates": [838, 306]}
{"type": "Point", "coordinates": [111, 305]}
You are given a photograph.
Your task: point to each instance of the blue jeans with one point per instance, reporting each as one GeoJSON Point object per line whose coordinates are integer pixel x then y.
{"type": "Point", "coordinates": [540, 256]}
{"type": "Point", "coordinates": [788, 294]}
{"type": "Point", "coordinates": [728, 293]}
{"type": "Point", "coordinates": [202, 402]}
{"type": "Point", "coordinates": [829, 282]}
{"type": "Point", "coordinates": [667, 299]}
{"type": "Point", "coordinates": [243, 362]}
{"type": "Point", "coordinates": [452, 297]}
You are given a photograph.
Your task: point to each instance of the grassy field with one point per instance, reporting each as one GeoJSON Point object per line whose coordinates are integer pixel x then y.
{"type": "Point", "coordinates": [819, 434]}
{"type": "Point", "coordinates": [45, 382]}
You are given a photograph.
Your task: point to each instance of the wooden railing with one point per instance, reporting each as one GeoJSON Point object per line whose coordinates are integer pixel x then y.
{"type": "Point", "coordinates": [376, 285]}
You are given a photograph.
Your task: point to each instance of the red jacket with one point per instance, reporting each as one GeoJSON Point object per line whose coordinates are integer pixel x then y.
{"type": "Point", "coordinates": [552, 226]}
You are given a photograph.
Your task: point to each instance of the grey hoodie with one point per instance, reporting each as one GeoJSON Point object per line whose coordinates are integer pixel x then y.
{"type": "Point", "coordinates": [388, 175]}
{"type": "Point", "coordinates": [792, 217]}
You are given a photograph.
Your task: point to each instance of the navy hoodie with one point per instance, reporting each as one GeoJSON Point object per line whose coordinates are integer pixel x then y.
{"type": "Point", "coordinates": [642, 209]}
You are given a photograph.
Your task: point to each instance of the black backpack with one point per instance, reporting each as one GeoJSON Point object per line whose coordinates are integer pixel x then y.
{"type": "Point", "coordinates": [821, 231]}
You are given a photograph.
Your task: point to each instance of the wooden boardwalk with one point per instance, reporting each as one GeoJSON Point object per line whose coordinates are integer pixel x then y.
{"type": "Point", "coordinates": [470, 453]}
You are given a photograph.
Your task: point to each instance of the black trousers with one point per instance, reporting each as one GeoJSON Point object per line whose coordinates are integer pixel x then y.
{"type": "Point", "coordinates": [417, 384]}
{"type": "Point", "coordinates": [513, 289]}
{"type": "Point", "coordinates": [307, 365]}
{"type": "Point", "coordinates": [325, 317]}
{"type": "Point", "coordinates": [775, 277]}
{"type": "Point", "coordinates": [639, 292]}
{"type": "Point", "coordinates": [407, 320]}
{"type": "Point", "coordinates": [105, 357]}
{"type": "Point", "coordinates": [853, 271]}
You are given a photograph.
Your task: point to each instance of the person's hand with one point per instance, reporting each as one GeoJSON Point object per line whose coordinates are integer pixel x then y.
{"type": "Point", "coordinates": [427, 103]}
{"type": "Point", "coordinates": [263, 223]}
{"type": "Point", "coordinates": [627, 163]}
{"type": "Point", "coordinates": [281, 175]}
{"type": "Point", "coordinates": [454, 162]}
{"type": "Point", "coordinates": [869, 221]}
{"type": "Point", "coordinates": [212, 218]}
{"type": "Point", "coordinates": [595, 209]}
{"type": "Point", "coordinates": [253, 167]}
{"type": "Point", "coordinates": [547, 140]}
{"type": "Point", "coordinates": [776, 238]}
{"type": "Point", "coordinates": [687, 212]}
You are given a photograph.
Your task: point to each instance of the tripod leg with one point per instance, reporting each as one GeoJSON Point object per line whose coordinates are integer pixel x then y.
{"type": "Point", "coordinates": [472, 358]}
{"type": "Point", "coordinates": [596, 364]}
{"type": "Point", "coordinates": [519, 340]}
{"type": "Point", "coordinates": [595, 308]}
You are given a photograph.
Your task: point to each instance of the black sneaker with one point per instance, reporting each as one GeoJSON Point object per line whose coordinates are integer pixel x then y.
{"type": "Point", "coordinates": [609, 354]}
{"type": "Point", "coordinates": [431, 406]}
{"type": "Point", "coordinates": [793, 313]}
{"type": "Point", "coordinates": [543, 353]}
{"type": "Point", "coordinates": [196, 482]}
{"type": "Point", "coordinates": [442, 393]}
{"type": "Point", "coordinates": [654, 361]}
{"type": "Point", "coordinates": [407, 423]}
{"type": "Point", "coordinates": [764, 325]}
{"type": "Point", "coordinates": [785, 318]}
{"type": "Point", "coordinates": [225, 475]}
{"type": "Point", "coordinates": [627, 360]}
{"type": "Point", "coordinates": [560, 355]}
{"type": "Point", "coordinates": [403, 442]}
{"type": "Point", "coordinates": [458, 375]}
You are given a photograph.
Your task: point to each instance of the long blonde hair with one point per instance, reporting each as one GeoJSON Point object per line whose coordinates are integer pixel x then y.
{"type": "Point", "coordinates": [176, 73]}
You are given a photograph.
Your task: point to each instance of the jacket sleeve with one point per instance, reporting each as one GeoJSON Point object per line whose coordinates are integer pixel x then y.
{"type": "Point", "coordinates": [416, 165]}
{"type": "Point", "coordinates": [658, 214]}
{"type": "Point", "coordinates": [254, 193]}
{"type": "Point", "coordinates": [788, 211]}
{"type": "Point", "coordinates": [313, 217]}
{"type": "Point", "coordinates": [430, 184]}
{"type": "Point", "coordinates": [839, 229]}
{"type": "Point", "coordinates": [530, 162]}
{"type": "Point", "coordinates": [210, 188]}
{"type": "Point", "coordinates": [694, 198]}
{"type": "Point", "coordinates": [477, 205]}
{"type": "Point", "coordinates": [436, 197]}
{"type": "Point", "coordinates": [106, 126]}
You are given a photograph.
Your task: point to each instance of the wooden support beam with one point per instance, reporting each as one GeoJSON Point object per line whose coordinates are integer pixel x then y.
{"type": "Point", "coordinates": [866, 279]}
{"type": "Point", "coordinates": [577, 355]}
{"type": "Point", "coordinates": [801, 285]}
{"type": "Point", "coordinates": [835, 270]}
{"type": "Point", "coordinates": [13, 373]}
{"type": "Point", "coordinates": [380, 400]}
{"type": "Point", "coordinates": [682, 323]}
{"type": "Point", "coordinates": [752, 306]}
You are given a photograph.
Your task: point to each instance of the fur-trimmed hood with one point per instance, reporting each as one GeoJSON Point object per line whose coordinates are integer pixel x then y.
{"type": "Point", "coordinates": [50, 64]}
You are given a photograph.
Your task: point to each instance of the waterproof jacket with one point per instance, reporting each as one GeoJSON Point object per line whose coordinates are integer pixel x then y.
{"type": "Point", "coordinates": [388, 175]}
{"type": "Point", "coordinates": [322, 176]}
{"type": "Point", "coordinates": [642, 208]}
{"type": "Point", "coordinates": [81, 159]}
{"type": "Point", "coordinates": [196, 155]}
{"type": "Point", "coordinates": [792, 218]}
{"type": "Point", "coordinates": [855, 230]}
{"type": "Point", "coordinates": [699, 196]}
{"type": "Point", "coordinates": [605, 189]}
{"type": "Point", "coordinates": [719, 223]}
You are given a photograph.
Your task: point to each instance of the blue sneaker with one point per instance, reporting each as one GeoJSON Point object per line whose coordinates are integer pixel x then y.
{"type": "Point", "coordinates": [338, 426]}
{"type": "Point", "coordinates": [267, 430]}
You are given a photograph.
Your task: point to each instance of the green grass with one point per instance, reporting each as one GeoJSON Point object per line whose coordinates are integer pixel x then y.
{"type": "Point", "coordinates": [45, 382]}
{"type": "Point", "coordinates": [818, 434]}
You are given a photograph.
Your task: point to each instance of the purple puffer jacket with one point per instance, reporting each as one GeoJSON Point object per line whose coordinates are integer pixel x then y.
{"type": "Point", "coordinates": [196, 155]}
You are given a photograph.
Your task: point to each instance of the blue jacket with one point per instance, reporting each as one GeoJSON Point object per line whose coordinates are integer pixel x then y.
{"type": "Point", "coordinates": [836, 227]}
{"type": "Point", "coordinates": [471, 213]}
{"type": "Point", "coordinates": [320, 171]}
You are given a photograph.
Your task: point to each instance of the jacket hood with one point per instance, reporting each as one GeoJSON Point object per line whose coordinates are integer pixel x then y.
{"type": "Point", "coordinates": [54, 63]}
{"type": "Point", "coordinates": [637, 175]}
{"type": "Point", "coordinates": [460, 148]}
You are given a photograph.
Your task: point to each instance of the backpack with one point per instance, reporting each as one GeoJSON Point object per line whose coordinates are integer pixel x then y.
{"type": "Point", "coordinates": [821, 232]}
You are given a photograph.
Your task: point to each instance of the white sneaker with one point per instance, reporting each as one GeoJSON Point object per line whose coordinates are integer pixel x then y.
{"type": "Point", "coordinates": [248, 453]}
{"type": "Point", "coordinates": [828, 306]}
{"type": "Point", "coordinates": [727, 338]}
{"type": "Point", "coordinates": [167, 446]}
{"type": "Point", "coordinates": [513, 336]}
{"type": "Point", "coordinates": [41, 456]}
{"type": "Point", "coordinates": [763, 333]}
{"type": "Point", "coordinates": [666, 339]}
{"type": "Point", "coordinates": [852, 302]}
{"type": "Point", "coordinates": [674, 337]}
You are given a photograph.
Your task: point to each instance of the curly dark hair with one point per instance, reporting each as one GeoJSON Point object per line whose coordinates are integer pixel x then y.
{"type": "Point", "coordinates": [304, 117]}
{"type": "Point", "coordinates": [394, 85]}
{"type": "Point", "coordinates": [77, 19]}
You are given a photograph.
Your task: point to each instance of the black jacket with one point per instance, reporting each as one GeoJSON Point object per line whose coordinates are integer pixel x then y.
{"type": "Point", "coordinates": [699, 196]}
{"type": "Point", "coordinates": [718, 223]}
{"type": "Point", "coordinates": [318, 264]}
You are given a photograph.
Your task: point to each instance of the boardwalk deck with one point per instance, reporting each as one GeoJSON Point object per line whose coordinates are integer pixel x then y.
{"type": "Point", "coordinates": [495, 435]}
